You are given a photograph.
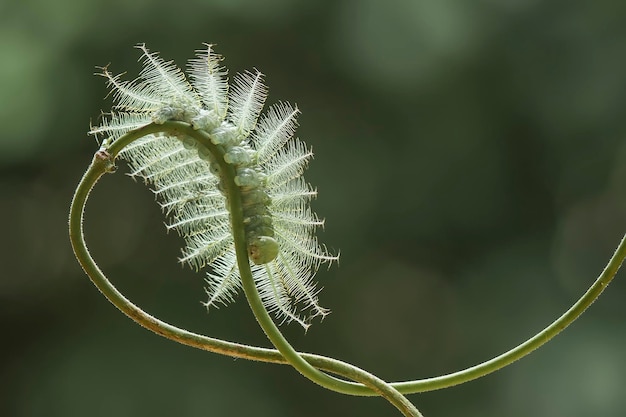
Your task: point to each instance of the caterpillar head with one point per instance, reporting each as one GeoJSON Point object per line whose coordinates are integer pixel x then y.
{"type": "Point", "coordinates": [262, 249]}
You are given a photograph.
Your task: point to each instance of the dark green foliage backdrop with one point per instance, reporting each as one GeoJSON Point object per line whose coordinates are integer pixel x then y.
{"type": "Point", "coordinates": [471, 164]}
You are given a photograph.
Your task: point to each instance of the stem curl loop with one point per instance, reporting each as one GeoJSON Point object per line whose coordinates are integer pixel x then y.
{"type": "Point", "coordinates": [309, 365]}
{"type": "Point", "coordinates": [103, 162]}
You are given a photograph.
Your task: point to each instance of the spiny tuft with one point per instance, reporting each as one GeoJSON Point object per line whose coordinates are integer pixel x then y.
{"type": "Point", "coordinates": [269, 162]}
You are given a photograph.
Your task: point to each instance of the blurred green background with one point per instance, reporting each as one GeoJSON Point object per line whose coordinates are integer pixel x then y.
{"type": "Point", "coordinates": [471, 166]}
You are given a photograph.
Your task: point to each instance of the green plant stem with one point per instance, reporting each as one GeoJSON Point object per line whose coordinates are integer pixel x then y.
{"type": "Point", "coordinates": [272, 331]}
{"type": "Point", "coordinates": [102, 163]}
{"type": "Point", "coordinates": [541, 338]}
{"type": "Point", "coordinates": [99, 167]}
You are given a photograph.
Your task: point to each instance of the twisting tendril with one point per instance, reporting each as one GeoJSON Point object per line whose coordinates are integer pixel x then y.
{"type": "Point", "coordinates": [231, 184]}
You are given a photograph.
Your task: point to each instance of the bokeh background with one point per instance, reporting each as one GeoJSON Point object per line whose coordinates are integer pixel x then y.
{"type": "Point", "coordinates": [471, 167]}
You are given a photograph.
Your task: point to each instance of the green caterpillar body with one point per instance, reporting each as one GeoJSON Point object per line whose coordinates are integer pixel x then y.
{"type": "Point", "coordinates": [262, 247]}
{"type": "Point", "coordinates": [264, 161]}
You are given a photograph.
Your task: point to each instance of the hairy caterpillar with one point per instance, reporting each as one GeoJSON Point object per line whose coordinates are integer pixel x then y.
{"type": "Point", "coordinates": [268, 163]}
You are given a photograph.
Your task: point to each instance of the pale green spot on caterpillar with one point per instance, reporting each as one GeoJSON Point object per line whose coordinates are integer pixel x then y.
{"type": "Point", "coordinates": [189, 142]}
{"type": "Point", "coordinates": [238, 156]}
{"type": "Point", "coordinates": [248, 178]}
{"type": "Point", "coordinates": [206, 120]}
{"type": "Point", "coordinates": [225, 134]}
